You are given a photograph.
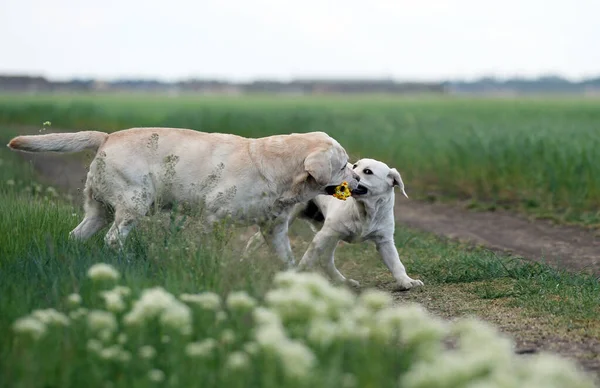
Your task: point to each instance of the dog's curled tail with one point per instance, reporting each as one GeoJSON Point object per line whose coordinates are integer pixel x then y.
{"type": "Point", "coordinates": [59, 142]}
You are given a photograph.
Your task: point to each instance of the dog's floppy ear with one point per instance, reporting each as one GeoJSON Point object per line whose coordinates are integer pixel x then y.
{"type": "Point", "coordinates": [394, 179]}
{"type": "Point", "coordinates": [318, 165]}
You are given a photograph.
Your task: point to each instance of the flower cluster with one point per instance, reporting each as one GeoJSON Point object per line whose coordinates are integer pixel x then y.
{"type": "Point", "coordinates": [304, 326]}
{"type": "Point", "coordinates": [342, 191]}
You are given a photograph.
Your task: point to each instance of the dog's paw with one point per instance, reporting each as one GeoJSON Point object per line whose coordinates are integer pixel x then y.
{"type": "Point", "coordinates": [409, 283]}
{"type": "Point", "coordinates": [352, 283]}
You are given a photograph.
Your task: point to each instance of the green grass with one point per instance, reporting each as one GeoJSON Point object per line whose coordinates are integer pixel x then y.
{"type": "Point", "coordinates": [452, 147]}
{"type": "Point", "coordinates": [40, 267]}
{"type": "Point", "coordinates": [531, 155]}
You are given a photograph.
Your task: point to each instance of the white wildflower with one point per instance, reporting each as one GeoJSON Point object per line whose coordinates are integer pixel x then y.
{"type": "Point", "coordinates": [550, 371]}
{"type": "Point", "coordinates": [375, 299]}
{"type": "Point", "coordinates": [158, 303]}
{"type": "Point", "coordinates": [52, 191]}
{"type": "Point", "coordinates": [122, 290]}
{"type": "Point", "coordinates": [322, 332]}
{"type": "Point", "coordinates": [111, 353]}
{"type": "Point", "coordinates": [206, 300]}
{"type": "Point", "coordinates": [201, 349]}
{"type": "Point", "coordinates": [30, 326]}
{"type": "Point", "coordinates": [240, 300]}
{"type": "Point", "coordinates": [113, 301]}
{"type": "Point", "coordinates": [165, 339]}
{"type": "Point", "coordinates": [237, 361]}
{"type": "Point", "coordinates": [305, 296]}
{"type": "Point", "coordinates": [51, 317]}
{"type": "Point", "coordinates": [220, 316]}
{"type": "Point", "coordinates": [106, 335]}
{"type": "Point", "coordinates": [227, 337]}
{"type": "Point", "coordinates": [412, 324]}
{"type": "Point", "coordinates": [122, 338]}
{"type": "Point", "coordinates": [124, 356]}
{"type": "Point", "coordinates": [297, 358]}
{"type": "Point", "coordinates": [99, 320]}
{"type": "Point", "coordinates": [156, 375]}
{"type": "Point", "coordinates": [177, 316]}
{"type": "Point", "coordinates": [10, 182]}
{"type": "Point", "coordinates": [94, 345]}
{"type": "Point", "coordinates": [76, 314]}
{"type": "Point", "coordinates": [147, 352]}
{"type": "Point", "coordinates": [102, 271]}
{"type": "Point", "coordinates": [349, 381]}
{"type": "Point", "coordinates": [251, 348]}
{"type": "Point", "coordinates": [74, 299]}
{"type": "Point", "coordinates": [263, 316]}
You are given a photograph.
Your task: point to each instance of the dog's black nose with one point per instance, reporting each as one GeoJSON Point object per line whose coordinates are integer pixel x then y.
{"type": "Point", "coordinates": [358, 179]}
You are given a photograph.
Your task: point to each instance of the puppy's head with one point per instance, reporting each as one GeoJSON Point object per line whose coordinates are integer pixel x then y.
{"type": "Point", "coordinates": [376, 178]}
{"type": "Point", "coordinates": [329, 167]}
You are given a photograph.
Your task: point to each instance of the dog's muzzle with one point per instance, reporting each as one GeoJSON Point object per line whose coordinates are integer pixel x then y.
{"type": "Point", "coordinates": [360, 190]}
{"type": "Point", "coordinates": [330, 190]}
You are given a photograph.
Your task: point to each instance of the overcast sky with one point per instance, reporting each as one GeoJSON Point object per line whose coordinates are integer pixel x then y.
{"type": "Point", "coordinates": [247, 39]}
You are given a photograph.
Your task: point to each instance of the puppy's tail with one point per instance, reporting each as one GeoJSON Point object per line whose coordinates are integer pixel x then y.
{"type": "Point", "coordinates": [59, 142]}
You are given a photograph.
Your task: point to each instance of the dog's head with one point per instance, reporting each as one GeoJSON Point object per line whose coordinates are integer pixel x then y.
{"type": "Point", "coordinates": [329, 167]}
{"type": "Point", "coordinates": [376, 178]}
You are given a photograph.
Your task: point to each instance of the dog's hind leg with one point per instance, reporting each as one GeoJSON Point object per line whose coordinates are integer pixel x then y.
{"type": "Point", "coordinates": [255, 242]}
{"type": "Point", "coordinates": [127, 214]}
{"type": "Point", "coordinates": [276, 235]}
{"type": "Point", "coordinates": [96, 217]}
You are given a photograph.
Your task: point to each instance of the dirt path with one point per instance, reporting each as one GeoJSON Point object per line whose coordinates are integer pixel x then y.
{"type": "Point", "coordinates": [571, 248]}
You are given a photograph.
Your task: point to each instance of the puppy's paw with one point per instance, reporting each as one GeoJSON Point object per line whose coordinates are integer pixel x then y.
{"type": "Point", "coordinates": [408, 283]}
{"type": "Point", "coordinates": [352, 283]}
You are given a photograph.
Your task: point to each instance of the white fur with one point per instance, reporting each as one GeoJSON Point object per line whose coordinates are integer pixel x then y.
{"type": "Point", "coordinates": [368, 217]}
{"type": "Point", "coordinates": [250, 181]}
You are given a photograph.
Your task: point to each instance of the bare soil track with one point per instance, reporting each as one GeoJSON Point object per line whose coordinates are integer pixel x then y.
{"type": "Point", "coordinates": [570, 248]}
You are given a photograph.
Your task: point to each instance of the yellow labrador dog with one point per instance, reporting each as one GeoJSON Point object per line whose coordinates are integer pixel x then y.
{"type": "Point", "coordinates": [250, 181]}
{"type": "Point", "coordinates": [368, 215]}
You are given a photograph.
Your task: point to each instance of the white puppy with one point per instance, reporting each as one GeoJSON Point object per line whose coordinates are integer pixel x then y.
{"type": "Point", "coordinates": [368, 215]}
{"type": "Point", "coordinates": [250, 181]}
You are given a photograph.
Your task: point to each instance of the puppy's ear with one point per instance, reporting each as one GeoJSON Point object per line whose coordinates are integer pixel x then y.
{"type": "Point", "coordinates": [318, 165]}
{"type": "Point", "coordinates": [394, 179]}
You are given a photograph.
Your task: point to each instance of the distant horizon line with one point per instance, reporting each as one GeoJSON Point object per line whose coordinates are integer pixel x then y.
{"type": "Point", "coordinates": [318, 78]}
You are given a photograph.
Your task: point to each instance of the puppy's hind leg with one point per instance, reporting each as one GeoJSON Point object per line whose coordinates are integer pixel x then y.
{"type": "Point", "coordinates": [335, 274]}
{"type": "Point", "coordinates": [96, 217]}
{"type": "Point", "coordinates": [321, 251]}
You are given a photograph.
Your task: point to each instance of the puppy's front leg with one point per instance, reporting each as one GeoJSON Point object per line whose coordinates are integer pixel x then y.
{"type": "Point", "coordinates": [389, 254]}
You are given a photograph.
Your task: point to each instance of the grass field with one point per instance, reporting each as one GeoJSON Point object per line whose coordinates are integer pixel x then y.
{"type": "Point", "coordinates": [533, 155]}
{"type": "Point", "coordinates": [425, 139]}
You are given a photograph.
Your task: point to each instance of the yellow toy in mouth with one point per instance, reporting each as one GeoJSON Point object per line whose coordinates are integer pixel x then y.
{"type": "Point", "coordinates": [342, 191]}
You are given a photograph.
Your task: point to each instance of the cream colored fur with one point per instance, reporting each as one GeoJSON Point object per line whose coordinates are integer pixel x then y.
{"type": "Point", "coordinates": [250, 181]}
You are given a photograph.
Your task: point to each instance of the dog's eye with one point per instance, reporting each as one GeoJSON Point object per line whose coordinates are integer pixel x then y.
{"type": "Point", "coordinates": [353, 167]}
{"type": "Point", "coordinates": [367, 171]}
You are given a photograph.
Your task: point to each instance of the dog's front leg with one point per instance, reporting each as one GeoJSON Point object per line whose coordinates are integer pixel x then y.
{"type": "Point", "coordinates": [276, 236]}
{"type": "Point", "coordinates": [389, 254]}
